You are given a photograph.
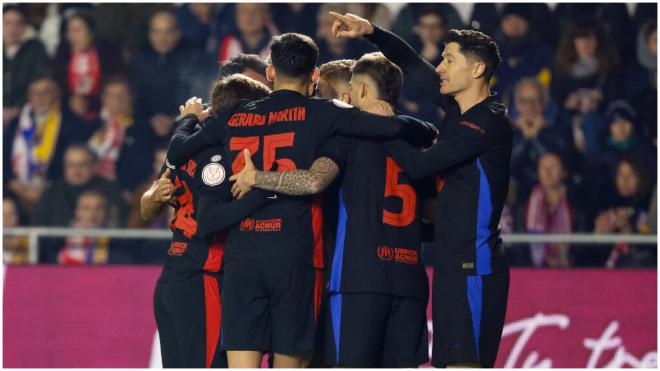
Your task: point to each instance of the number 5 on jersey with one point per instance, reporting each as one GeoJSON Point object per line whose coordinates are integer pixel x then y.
{"type": "Point", "coordinates": [403, 191]}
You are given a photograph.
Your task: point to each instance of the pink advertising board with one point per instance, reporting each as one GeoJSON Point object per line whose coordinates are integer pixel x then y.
{"type": "Point", "coordinates": [103, 317]}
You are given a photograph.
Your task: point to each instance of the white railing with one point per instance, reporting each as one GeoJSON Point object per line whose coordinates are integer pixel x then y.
{"type": "Point", "coordinates": [33, 234]}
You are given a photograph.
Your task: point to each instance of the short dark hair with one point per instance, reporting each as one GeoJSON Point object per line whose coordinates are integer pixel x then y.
{"type": "Point", "coordinates": [478, 45]}
{"type": "Point", "coordinates": [81, 146]}
{"type": "Point", "coordinates": [337, 71]}
{"type": "Point", "coordinates": [241, 62]}
{"type": "Point", "coordinates": [387, 75]}
{"type": "Point", "coordinates": [14, 8]}
{"type": "Point", "coordinates": [294, 55]}
{"type": "Point", "coordinates": [228, 91]}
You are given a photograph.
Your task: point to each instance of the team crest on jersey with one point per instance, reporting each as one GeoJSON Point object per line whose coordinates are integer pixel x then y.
{"type": "Point", "coordinates": [168, 165]}
{"type": "Point", "coordinates": [341, 104]}
{"type": "Point", "coordinates": [213, 174]}
{"type": "Point", "coordinates": [216, 158]}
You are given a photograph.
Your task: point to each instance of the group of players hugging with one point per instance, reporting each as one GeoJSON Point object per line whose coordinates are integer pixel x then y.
{"type": "Point", "coordinates": [252, 268]}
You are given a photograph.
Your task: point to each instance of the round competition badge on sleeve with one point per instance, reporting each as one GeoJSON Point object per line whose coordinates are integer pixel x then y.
{"type": "Point", "coordinates": [213, 174]}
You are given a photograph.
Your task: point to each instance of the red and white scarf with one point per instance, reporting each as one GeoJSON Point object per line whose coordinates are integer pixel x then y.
{"type": "Point", "coordinates": [542, 218]}
{"type": "Point", "coordinates": [107, 142]}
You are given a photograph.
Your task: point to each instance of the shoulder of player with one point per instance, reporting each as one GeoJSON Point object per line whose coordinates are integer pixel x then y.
{"type": "Point", "coordinates": [330, 105]}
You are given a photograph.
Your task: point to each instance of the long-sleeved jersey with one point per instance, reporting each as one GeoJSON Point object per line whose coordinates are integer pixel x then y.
{"type": "Point", "coordinates": [377, 247]}
{"type": "Point", "coordinates": [203, 175]}
{"type": "Point", "coordinates": [285, 131]}
{"type": "Point", "coordinates": [471, 162]}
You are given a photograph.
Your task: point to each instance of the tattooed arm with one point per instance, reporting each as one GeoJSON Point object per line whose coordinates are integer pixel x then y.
{"type": "Point", "coordinates": [294, 183]}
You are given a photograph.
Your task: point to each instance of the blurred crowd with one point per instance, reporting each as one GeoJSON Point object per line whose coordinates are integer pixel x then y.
{"type": "Point", "coordinates": [90, 93]}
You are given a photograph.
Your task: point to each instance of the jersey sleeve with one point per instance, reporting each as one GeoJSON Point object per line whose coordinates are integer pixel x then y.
{"type": "Point", "coordinates": [464, 144]}
{"type": "Point", "coordinates": [350, 121]}
{"type": "Point", "coordinates": [186, 142]}
{"type": "Point", "coordinates": [414, 67]}
{"type": "Point", "coordinates": [215, 216]}
{"type": "Point", "coordinates": [337, 149]}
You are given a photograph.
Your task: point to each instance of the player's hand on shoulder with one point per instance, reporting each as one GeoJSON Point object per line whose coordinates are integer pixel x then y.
{"type": "Point", "coordinates": [194, 106]}
{"type": "Point", "coordinates": [245, 179]}
{"type": "Point", "coordinates": [350, 26]}
{"type": "Point", "coordinates": [380, 108]}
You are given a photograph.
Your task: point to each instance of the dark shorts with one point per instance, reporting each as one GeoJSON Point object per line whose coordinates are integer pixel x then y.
{"type": "Point", "coordinates": [188, 316]}
{"type": "Point", "coordinates": [376, 330]}
{"type": "Point", "coordinates": [468, 317]}
{"type": "Point", "coordinates": [270, 306]}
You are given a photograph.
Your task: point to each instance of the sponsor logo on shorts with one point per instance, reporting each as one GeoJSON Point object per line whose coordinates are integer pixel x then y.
{"type": "Point", "coordinates": [398, 254]}
{"type": "Point", "coordinates": [468, 265]}
{"type": "Point", "coordinates": [177, 248]}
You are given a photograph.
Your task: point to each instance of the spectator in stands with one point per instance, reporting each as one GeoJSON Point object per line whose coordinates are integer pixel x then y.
{"type": "Point", "coordinates": [405, 21]}
{"type": "Point", "coordinates": [623, 138]}
{"type": "Point", "coordinates": [250, 65]}
{"type": "Point", "coordinates": [14, 249]}
{"type": "Point", "coordinates": [623, 210]}
{"type": "Point", "coordinates": [486, 17]}
{"type": "Point", "coordinates": [46, 21]}
{"type": "Point", "coordinates": [522, 51]}
{"type": "Point", "coordinates": [34, 142]}
{"type": "Point", "coordinates": [57, 203]}
{"type": "Point", "coordinates": [334, 81]}
{"type": "Point", "coordinates": [126, 25]}
{"type": "Point", "coordinates": [165, 73]}
{"type": "Point", "coordinates": [197, 22]}
{"type": "Point", "coordinates": [255, 30]}
{"type": "Point", "coordinates": [82, 61]}
{"type": "Point", "coordinates": [550, 210]}
{"type": "Point", "coordinates": [534, 134]}
{"type": "Point", "coordinates": [92, 213]}
{"type": "Point", "coordinates": [585, 80]}
{"type": "Point", "coordinates": [622, 203]}
{"type": "Point", "coordinates": [332, 48]}
{"type": "Point", "coordinates": [296, 17]}
{"type": "Point", "coordinates": [122, 142]}
{"type": "Point", "coordinates": [641, 80]}
{"type": "Point", "coordinates": [24, 59]}
{"type": "Point", "coordinates": [612, 18]}
{"type": "Point", "coordinates": [427, 41]}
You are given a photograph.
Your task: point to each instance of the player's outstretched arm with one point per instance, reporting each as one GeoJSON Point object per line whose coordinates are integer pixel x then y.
{"type": "Point", "coordinates": [395, 49]}
{"type": "Point", "coordinates": [154, 199]}
{"type": "Point", "coordinates": [185, 142]}
{"type": "Point", "coordinates": [445, 153]}
{"type": "Point", "coordinates": [294, 183]}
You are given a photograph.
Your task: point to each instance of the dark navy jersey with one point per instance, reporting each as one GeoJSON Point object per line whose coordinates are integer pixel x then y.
{"type": "Point", "coordinates": [471, 161]}
{"type": "Point", "coordinates": [377, 247]}
{"type": "Point", "coordinates": [285, 131]}
{"type": "Point", "coordinates": [203, 175]}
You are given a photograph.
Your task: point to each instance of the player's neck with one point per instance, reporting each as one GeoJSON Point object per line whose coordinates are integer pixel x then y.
{"type": "Point", "coordinates": [302, 89]}
{"type": "Point", "coordinates": [472, 96]}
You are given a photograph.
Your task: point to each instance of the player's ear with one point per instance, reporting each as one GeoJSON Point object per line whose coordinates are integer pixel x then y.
{"type": "Point", "coordinates": [270, 73]}
{"type": "Point", "coordinates": [363, 90]}
{"type": "Point", "coordinates": [478, 70]}
{"type": "Point", "coordinates": [316, 74]}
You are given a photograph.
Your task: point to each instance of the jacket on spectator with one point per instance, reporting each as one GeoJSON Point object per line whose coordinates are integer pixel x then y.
{"type": "Point", "coordinates": [29, 62]}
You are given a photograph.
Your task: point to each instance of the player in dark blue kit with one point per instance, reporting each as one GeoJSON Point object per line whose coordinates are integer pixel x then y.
{"type": "Point", "coordinates": [378, 286]}
{"type": "Point", "coordinates": [187, 301]}
{"type": "Point", "coordinates": [272, 286]}
{"type": "Point", "coordinates": [471, 161]}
